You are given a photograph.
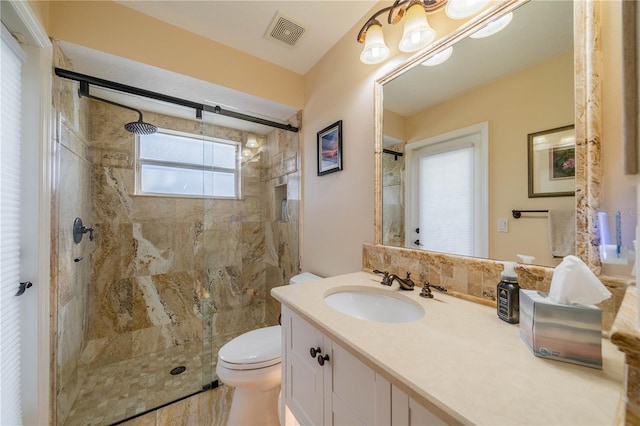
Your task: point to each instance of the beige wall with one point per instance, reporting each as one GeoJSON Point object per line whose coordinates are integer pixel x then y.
{"type": "Point", "coordinates": [394, 125]}
{"type": "Point", "coordinates": [41, 10]}
{"type": "Point", "coordinates": [122, 31]}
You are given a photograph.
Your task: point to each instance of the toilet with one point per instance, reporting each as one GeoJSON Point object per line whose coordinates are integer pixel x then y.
{"type": "Point", "coordinates": [251, 363]}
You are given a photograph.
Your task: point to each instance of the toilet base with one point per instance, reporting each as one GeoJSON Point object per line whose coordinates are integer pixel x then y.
{"type": "Point", "coordinates": [254, 406]}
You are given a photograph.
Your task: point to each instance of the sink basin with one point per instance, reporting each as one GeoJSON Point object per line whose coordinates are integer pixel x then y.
{"type": "Point", "coordinates": [372, 305]}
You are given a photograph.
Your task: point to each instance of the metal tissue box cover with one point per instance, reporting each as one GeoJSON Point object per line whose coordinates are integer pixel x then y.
{"type": "Point", "coordinates": [569, 333]}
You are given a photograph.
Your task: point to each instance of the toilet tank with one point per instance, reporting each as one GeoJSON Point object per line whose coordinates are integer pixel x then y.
{"type": "Point", "coordinates": [303, 277]}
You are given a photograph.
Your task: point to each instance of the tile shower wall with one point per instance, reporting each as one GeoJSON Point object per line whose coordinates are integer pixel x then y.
{"type": "Point", "coordinates": [70, 280]}
{"type": "Point", "coordinates": [163, 265]}
{"type": "Point", "coordinates": [392, 197]}
{"type": "Point", "coordinates": [474, 278]}
{"type": "Point", "coordinates": [147, 265]}
{"type": "Point", "coordinates": [283, 219]}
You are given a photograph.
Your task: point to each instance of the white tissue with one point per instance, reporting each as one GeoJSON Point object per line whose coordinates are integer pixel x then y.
{"type": "Point", "coordinates": [573, 282]}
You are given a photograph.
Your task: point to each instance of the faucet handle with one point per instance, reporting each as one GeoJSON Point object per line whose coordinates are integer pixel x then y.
{"type": "Point", "coordinates": [426, 292]}
{"type": "Point", "coordinates": [438, 287]}
{"type": "Point", "coordinates": [426, 289]}
{"type": "Point", "coordinates": [385, 277]}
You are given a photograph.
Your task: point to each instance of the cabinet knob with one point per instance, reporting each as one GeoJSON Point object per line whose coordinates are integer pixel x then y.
{"type": "Point", "coordinates": [315, 351]}
{"type": "Point", "coordinates": [322, 359]}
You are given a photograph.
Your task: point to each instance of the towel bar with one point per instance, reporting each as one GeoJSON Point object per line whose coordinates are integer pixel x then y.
{"type": "Point", "coordinates": [517, 213]}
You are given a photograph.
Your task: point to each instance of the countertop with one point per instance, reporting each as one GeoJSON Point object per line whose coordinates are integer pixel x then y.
{"type": "Point", "coordinates": [460, 359]}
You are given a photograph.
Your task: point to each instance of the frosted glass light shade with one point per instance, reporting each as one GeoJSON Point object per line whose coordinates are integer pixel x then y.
{"type": "Point", "coordinates": [375, 50]}
{"type": "Point", "coordinates": [252, 141]}
{"type": "Point", "coordinates": [439, 57]}
{"type": "Point", "coordinates": [460, 9]}
{"type": "Point", "coordinates": [417, 32]}
{"type": "Point", "coordinates": [493, 27]}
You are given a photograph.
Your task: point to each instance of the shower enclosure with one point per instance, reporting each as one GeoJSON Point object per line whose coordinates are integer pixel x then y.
{"type": "Point", "coordinates": [142, 308]}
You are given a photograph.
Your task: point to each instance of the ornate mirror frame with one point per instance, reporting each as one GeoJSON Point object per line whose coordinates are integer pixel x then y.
{"type": "Point", "coordinates": [587, 66]}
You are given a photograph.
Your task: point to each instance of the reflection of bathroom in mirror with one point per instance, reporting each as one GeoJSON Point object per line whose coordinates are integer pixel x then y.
{"type": "Point", "coordinates": [465, 122]}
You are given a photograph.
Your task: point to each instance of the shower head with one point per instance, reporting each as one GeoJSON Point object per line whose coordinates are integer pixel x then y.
{"type": "Point", "coordinates": [136, 127]}
{"type": "Point", "coordinates": [140, 127]}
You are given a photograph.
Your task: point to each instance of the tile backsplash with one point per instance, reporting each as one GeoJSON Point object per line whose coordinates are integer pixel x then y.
{"type": "Point", "coordinates": [474, 278]}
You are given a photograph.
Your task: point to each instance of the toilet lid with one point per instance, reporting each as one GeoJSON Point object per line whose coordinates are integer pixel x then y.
{"type": "Point", "coordinates": [254, 349]}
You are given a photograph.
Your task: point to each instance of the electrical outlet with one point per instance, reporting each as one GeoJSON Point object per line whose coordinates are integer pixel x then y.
{"type": "Point", "coordinates": [503, 225]}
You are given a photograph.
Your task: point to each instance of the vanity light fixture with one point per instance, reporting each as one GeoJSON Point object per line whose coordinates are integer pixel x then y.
{"type": "Point", "coordinates": [375, 50]}
{"type": "Point", "coordinates": [493, 27]}
{"type": "Point", "coordinates": [417, 33]}
{"type": "Point", "coordinates": [438, 58]}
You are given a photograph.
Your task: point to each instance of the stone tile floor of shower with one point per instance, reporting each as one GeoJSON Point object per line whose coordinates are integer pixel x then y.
{"type": "Point", "coordinates": [124, 389]}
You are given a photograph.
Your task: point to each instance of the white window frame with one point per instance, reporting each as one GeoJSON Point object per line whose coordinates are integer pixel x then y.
{"type": "Point", "coordinates": [481, 182]}
{"type": "Point", "coordinates": [236, 171]}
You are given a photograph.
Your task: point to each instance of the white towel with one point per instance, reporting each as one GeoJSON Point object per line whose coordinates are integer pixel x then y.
{"type": "Point", "coordinates": [562, 232]}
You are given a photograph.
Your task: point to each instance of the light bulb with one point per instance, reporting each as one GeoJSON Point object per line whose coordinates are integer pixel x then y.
{"type": "Point", "coordinates": [417, 32]}
{"type": "Point", "coordinates": [460, 9]}
{"type": "Point", "coordinates": [493, 27]}
{"type": "Point", "coordinates": [375, 50]}
{"type": "Point", "coordinates": [439, 57]}
{"type": "Point", "coordinates": [252, 141]}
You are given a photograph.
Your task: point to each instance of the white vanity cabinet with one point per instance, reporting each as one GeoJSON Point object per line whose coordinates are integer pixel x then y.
{"type": "Point", "coordinates": [342, 391]}
{"type": "Point", "coordinates": [406, 411]}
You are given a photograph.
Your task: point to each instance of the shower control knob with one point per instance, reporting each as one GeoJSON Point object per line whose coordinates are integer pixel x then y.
{"type": "Point", "coordinates": [315, 352]}
{"type": "Point", "coordinates": [322, 359]}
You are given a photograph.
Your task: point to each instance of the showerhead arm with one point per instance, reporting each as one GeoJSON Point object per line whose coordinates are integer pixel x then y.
{"type": "Point", "coordinates": [85, 92]}
{"type": "Point", "coordinates": [136, 127]}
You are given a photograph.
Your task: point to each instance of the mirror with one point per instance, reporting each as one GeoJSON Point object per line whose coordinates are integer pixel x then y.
{"type": "Point", "coordinates": [517, 82]}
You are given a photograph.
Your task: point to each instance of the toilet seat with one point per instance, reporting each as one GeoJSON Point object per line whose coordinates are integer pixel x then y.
{"type": "Point", "coordinates": [253, 350]}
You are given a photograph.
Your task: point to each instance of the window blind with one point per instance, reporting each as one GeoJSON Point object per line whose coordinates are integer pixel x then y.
{"type": "Point", "coordinates": [12, 57]}
{"type": "Point", "coordinates": [446, 201]}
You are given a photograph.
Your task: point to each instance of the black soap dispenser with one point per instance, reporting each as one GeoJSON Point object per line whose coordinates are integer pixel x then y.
{"type": "Point", "coordinates": [508, 294]}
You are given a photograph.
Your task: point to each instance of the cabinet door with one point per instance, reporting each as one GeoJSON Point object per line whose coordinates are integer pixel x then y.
{"type": "Point", "coordinates": [343, 391]}
{"type": "Point", "coordinates": [303, 377]}
{"type": "Point", "coordinates": [358, 395]}
{"type": "Point", "coordinates": [407, 412]}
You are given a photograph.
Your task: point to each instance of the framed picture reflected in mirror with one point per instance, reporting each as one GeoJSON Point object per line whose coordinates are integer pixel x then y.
{"type": "Point", "coordinates": [552, 162]}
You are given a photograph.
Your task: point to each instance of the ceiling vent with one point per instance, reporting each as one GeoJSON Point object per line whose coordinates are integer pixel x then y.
{"type": "Point", "coordinates": [284, 30]}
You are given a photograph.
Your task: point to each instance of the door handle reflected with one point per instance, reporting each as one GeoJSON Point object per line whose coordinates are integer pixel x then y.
{"type": "Point", "coordinates": [23, 287]}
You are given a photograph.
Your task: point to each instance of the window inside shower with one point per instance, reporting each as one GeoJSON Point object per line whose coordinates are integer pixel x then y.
{"type": "Point", "coordinates": [181, 164]}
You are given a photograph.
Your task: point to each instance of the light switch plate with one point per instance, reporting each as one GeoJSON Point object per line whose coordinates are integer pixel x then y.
{"type": "Point", "coordinates": [503, 225]}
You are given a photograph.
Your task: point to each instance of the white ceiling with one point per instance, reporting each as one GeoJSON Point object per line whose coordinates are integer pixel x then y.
{"type": "Point", "coordinates": [242, 24]}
